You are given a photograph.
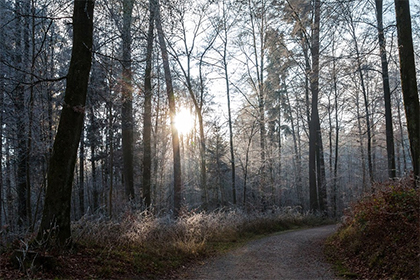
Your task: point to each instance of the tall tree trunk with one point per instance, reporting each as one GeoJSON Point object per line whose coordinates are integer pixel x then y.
{"type": "Point", "coordinates": [387, 92]}
{"type": "Point", "coordinates": [365, 99]}
{"type": "Point", "coordinates": [259, 67]}
{"type": "Point", "coordinates": [56, 215]}
{"type": "Point", "coordinates": [95, 195]}
{"type": "Point", "coordinates": [401, 128]}
{"type": "Point", "coordinates": [225, 69]}
{"type": "Point", "coordinates": [127, 105]}
{"type": "Point", "coordinates": [111, 157]}
{"type": "Point", "coordinates": [296, 156]}
{"type": "Point", "coordinates": [2, 74]}
{"type": "Point", "coordinates": [330, 139]}
{"type": "Point", "coordinates": [307, 80]}
{"type": "Point", "coordinates": [147, 117]}
{"type": "Point", "coordinates": [362, 150]}
{"type": "Point", "coordinates": [245, 168]}
{"type": "Point", "coordinates": [22, 152]}
{"type": "Point", "coordinates": [156, 186]}
{"type": "Point", "coordinates": [30, 10]}
{"type": "Point", "coordinates": [231, 145]}
{"type": "Point", "coordinates": [8, 182]}
{"type": "Point", "coordinates": [409, 80]}
{"type": "Point", "coordinates": [203, 177]}
{"type": "Point", "coordinates": [337, 130]}
{"type": "Point", "coordinates": [172, 112]}
{"type": "Point", "coordinates": [82, 176]}
{"type": "Point", "coordinates": [317, 188]}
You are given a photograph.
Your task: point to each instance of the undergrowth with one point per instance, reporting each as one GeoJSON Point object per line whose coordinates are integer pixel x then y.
{"type": "Point", "coordinates": [380, 238]}
{"type": "Point", "coordinates": [152, 247]}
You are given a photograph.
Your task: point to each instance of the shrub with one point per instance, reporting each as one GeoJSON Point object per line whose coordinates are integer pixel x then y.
{"type": "Point", "coordinates": [380, 238]}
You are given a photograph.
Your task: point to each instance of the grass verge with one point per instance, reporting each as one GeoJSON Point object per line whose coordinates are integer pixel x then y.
{"type": "Point", "coordinates": [145, 246]}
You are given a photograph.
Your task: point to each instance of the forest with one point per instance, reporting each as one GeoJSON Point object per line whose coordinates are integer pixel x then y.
{"type": "Point", "coordinates": [110, 107]}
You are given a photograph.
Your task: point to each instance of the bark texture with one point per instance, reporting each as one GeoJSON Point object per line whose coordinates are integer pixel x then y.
{"type": "Point", "coordinates": [55, 224]}
{"type": "Point", "coordinates": [408, 79]}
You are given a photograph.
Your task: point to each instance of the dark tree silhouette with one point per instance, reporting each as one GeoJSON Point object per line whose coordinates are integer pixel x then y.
{"type": "Point", "coordinates": [387, 92]}
{"type": "Point", "coordinates": [147, 119]}
{"type": "Point", "coordinates": [408, 79]}
{"type": "Point", "coordinates": [55, 224]}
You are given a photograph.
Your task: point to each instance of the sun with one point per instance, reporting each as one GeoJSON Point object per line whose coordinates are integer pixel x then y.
{"type": "Point", "coordinates": [184, 121]}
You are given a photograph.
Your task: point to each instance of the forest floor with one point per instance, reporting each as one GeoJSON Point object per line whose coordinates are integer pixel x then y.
{"type": "Point", "coordinates": [296, 254]}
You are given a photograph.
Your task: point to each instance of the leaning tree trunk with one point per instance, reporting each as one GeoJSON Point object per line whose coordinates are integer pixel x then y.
{"type": "Point", "coordinates": [408, 80]}
{"type": "Point", "coordinates": [172, 111]}
{"type": "Point", "coordinates": [55, 224]}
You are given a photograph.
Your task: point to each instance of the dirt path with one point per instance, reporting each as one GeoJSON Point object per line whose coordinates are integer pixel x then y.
{"type": "Point", "coordinates": [289, 255]}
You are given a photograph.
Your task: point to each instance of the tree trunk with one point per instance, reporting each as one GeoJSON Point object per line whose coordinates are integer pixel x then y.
{"type": "Point", "coordinates": [362, 150]}
{"type": "Point", "coordinates": [155, 131]}
{"type": "Point", "coordinates": [172, 111]}
{"type": "Point", "coordinates": [337, 130]}
{"type": "Point", "coordinates": [95, 195]}
{"type": "Point", "coordinates": [203, 177]}
{"type": "Point", "coordinates": [317, 188]}
{"type": "Point", "coordinates": [8, 183]}
{"type": "Point", "coordinates": [387, 92]}
{"type": "Point", "coordinates": [296, 156]}
{"type": "Point", "coordinates": [22, 152]}
{"type": "Point", "coordinates": [409, 80]}
{"type": "Point", "coordinates": [401, 128]}
{"type": "Point", "coordinates": [232, 154]}
{"type": "Point", "coordinates": [259, 88]}
{"type": "Point", "coordinates": [111, 158]}
{"type": "Point", "coordinates": [245, 168]}
{"type": "Point", "coordinates": [2, 74]}
{"type": "Point", "coordinates": [127, 105]}
{"type": "Point", "coordinates": [365, 99]}
{"type": "Point", "coordinates": [82, 176]}
{"type": "Point", "coordinates": [147, 117]}
{"type": "Point", "coordinates": [55, 224]}
{"type": "Point", "coordinates": [225, 69]}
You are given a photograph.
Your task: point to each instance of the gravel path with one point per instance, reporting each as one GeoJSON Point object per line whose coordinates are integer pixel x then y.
{"type": "Point", "coordinates": [290, 255]}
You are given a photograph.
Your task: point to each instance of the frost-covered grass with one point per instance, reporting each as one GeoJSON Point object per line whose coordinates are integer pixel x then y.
{"type": "Point", "coordinates": [145, 245]}
{"type": "Point", "coordinates": [157, 245]}
{"type": "Point", "coordinates": [192, 227]}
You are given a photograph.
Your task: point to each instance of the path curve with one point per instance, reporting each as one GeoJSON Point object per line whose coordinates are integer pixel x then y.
{"type": "Point", "coordinates": [289, 255]}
